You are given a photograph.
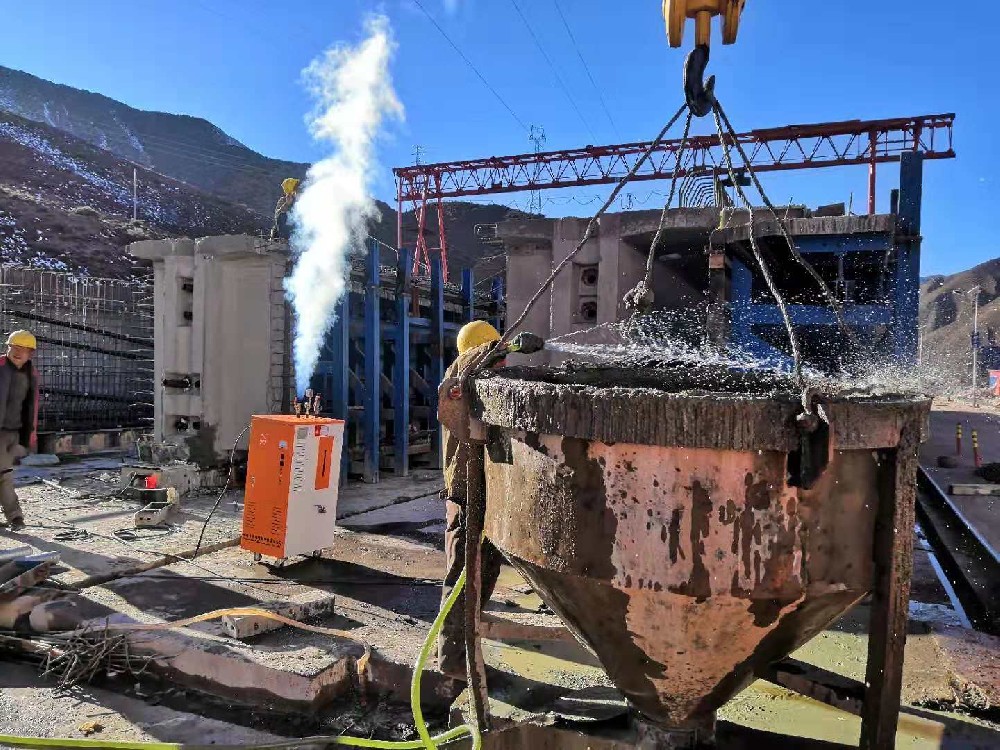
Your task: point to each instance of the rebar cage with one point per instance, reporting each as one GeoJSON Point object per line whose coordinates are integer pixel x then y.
{"type": "Point", "coordinates": [95, 346]}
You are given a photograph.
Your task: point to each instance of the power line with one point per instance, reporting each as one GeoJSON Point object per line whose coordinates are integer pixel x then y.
{"type": "Point", "coordinates": [537, 137]}
{"type": "Point", "coordinates": [587, 68]}
{"type": "Point", "coordinates": [469, 63]}
{"type": "Point", "coordinates": [555, 72]}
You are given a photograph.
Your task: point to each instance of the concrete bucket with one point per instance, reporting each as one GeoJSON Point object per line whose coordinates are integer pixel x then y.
{"type": "Point", "coordinates": [688, 532]}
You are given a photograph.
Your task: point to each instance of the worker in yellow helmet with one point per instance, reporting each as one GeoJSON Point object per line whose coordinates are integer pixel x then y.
{"type": "Point", "coordinates": [473, 339]}
{"type": "Point", "coordinates": [18, 417]}
{"type": "Point", "coordinates": [290, 191]}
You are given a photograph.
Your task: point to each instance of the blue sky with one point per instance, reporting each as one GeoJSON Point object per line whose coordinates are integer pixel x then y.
{"type": "Point", "coordinates": [237, 63]}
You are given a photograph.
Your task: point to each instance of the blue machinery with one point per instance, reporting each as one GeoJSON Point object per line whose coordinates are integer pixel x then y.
{"type": "Point", "coordinates": [393, 338]}
{"type": "Point", "coordinates": [883, 316]}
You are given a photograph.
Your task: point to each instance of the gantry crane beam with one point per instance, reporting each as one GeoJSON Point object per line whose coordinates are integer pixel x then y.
{"type": "Point", "coordinates": [830, 144]}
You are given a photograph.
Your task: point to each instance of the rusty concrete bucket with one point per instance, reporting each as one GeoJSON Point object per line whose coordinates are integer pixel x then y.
{"type": "Point", "coordinates": [688, 536]}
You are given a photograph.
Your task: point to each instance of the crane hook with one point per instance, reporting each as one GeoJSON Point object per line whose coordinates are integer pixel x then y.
{"type": "Point", "coordinates": [700, 94]}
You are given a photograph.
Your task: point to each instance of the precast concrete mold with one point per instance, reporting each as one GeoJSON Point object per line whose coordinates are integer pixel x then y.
{"type": "Point", "coordinates": [663, 515]}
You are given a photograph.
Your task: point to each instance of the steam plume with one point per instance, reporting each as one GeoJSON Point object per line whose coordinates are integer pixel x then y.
{"type": "Point", "coordinates": [353, 91]}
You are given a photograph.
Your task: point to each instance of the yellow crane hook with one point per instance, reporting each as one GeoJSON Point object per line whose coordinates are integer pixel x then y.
{"type": "Point", "coordinates": [676, 13]}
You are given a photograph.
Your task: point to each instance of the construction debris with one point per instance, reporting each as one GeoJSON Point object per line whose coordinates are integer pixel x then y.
{"type": "Point", "coordinates": [20, 569]}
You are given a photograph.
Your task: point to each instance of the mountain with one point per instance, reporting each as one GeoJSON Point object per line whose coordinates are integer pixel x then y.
{"type": "Point", "coordinates": [67, 205]}
{"type": "Point", "coordinates": [64, 149]}
{"type": "Point", "coordinates": [946, 310]}
{"type": "Point", "coordinates": [189, 149]}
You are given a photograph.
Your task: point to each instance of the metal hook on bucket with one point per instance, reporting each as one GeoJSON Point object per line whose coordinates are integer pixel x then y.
{"type": "Point", "coordinates": [700, 94]}
{"type": "Point", "coordinates": [807, 463]}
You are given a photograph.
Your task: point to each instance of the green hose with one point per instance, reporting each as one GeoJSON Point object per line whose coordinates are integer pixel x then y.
{"type": "Point", "coordinates": [418, 715]}
{"type": "Point", "coordinates": [426, 742]}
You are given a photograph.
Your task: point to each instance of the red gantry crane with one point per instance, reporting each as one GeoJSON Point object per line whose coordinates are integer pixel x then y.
{"type": "Point", "coordinates": [830, 144]}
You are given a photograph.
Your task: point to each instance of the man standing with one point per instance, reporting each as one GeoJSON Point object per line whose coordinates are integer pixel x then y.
{"type": "Point", "coordinates": [473, 339]}
{"type": "Point", "coordinates": [290, 191]}
{"type": "Point", "coordinates": [18, 412]}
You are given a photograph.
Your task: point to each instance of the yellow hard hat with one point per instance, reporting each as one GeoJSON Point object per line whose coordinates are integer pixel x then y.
{"type": "Point", "coordinates": [474, 334]}
{"type": "Point", "coordinates": [289, 184]}
{"type": "Point", "coordinates": [22, 338]}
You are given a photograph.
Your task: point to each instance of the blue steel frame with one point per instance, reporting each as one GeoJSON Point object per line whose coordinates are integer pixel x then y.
{"type": "Point", "coordinates": [899, 311]}
{"type": "Point", "coordinates": [384, 357]}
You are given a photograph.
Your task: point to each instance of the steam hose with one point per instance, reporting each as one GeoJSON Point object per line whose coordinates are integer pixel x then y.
{"type": "Point", "coordinates": [426, 741]}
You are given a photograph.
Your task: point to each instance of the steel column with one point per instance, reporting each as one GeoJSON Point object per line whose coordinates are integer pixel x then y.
{"type": "Point", "coordinates": [741, 285]}
{"type": "Point", "coordinates": [437, 354]}
{"type": "Point", "coordinates": [906, 276]}
{"type": "Point", "coordinates": [399, 219]}
{"type": "Point", "coordinates": [872, 165]}
{"type": "Point", "coordinates": [338, 394]}
{"type": "Point", "coordinates": [401, 367]}
{"type": "Point", "coordinates": [442, 237]}
{"type": "Point", "coordinates": [373, 367]}
{"type": "Point", "coordinates": [498, 295]}
{"type": "Point", "coordinates": [468, 295]}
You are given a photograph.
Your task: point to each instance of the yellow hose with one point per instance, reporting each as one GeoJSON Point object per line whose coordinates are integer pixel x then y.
{"type": "Point", "coordinates": [426, 741]}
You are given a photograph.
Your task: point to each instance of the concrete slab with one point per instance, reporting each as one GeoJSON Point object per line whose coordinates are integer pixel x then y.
{"type": "Point", "coordinates": [288, 668]}
{"type": "Point", "coordinates": [765, 226]}
{"type": "Point", "coordinates": [357, 497]}
{"type": "Point", "coordinates": [31, 706]}
{"type": "Point", "coordinates": [386, 590]}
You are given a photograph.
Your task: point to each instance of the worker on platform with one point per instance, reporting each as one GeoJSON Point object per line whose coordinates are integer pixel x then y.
{"type": "Point", "coordinates": [290, 191]}
{"type": "Point", "coordinates": [473, 339]}
{"type": "Point", "coordinates": [18, 414]}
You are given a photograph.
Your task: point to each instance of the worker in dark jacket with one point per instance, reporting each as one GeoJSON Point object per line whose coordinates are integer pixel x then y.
{"type": "Point", "coordinates": [18, 414]}
{"type": "Point", "coordinates": [281, 229]}
{"type": "Point", "coordinates": [472, 341]}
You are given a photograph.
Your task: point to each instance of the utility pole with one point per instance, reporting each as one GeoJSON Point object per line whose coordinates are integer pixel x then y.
{"type": "Point", "coordinates": [135, 194]}
{"type": "Point", "coordinates": [537, 137]}
{"type": "Point", "coordinates": [975, 347]}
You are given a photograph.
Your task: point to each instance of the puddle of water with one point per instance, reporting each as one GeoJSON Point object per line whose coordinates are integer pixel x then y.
{"type": "Point", "coordinates": [774, 709]}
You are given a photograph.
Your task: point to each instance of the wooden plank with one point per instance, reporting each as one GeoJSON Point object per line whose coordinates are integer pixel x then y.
{"type": "Point", "coordinates": [893, 557]}
{"type": "Point", "coordinates": [974, 489]}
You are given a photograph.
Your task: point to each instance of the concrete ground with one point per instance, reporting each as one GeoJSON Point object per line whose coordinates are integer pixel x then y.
{"type": "Point", "coordinates": [30, 705]}
{"type": "Point", "coordinates": [981, 511]}
{"type": "Point", "coordinates": [382, 574]}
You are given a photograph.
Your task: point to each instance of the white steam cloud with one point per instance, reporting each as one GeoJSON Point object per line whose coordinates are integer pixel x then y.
{"type": "Point", "coordinates": [354, 94]}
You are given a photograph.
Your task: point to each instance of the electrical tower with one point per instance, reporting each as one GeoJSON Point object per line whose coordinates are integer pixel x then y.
{"type": "Point", "coordinates": [418, 155]}
{"type": "Point", "coordinates": [537, 137]}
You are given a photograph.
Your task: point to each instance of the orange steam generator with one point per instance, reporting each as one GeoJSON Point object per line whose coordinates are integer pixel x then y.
{"type": "Point", "coordinates": [293, 473]}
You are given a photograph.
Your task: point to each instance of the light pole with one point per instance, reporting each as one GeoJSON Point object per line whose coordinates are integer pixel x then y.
{"type": "Point", "coordinates": [920, 342]}
{"type": "Point", "coordinates": [975, 340]}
